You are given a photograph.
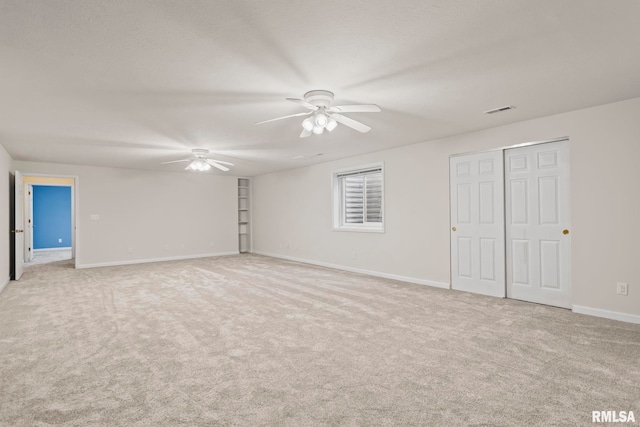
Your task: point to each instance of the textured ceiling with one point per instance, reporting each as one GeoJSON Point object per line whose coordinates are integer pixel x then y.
{"type": "Point", "coordinates": [134, 83]}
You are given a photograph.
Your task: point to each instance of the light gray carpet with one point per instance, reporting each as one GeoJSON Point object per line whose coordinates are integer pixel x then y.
{"type": "Point", "coordinates": [251, 340]}
{"type": "Point", "coordinates": [46, 257]}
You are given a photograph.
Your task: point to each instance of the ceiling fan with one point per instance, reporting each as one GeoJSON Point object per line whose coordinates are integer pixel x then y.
{"type": "Point", "coordinates": [200, 161]}
{"type": "Point", "coordinates": [325, 116]}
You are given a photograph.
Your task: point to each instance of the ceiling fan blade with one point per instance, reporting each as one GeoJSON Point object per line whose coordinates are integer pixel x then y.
{"type": "Point", "coordinates": [361, 108]}
{"type": "Point", "coordinates": [354, 124]}
{"type": "Point", "coordinates": [305, 133]}
{"type": "Point", "coordinates": [216, 165]}
{"type": "Point", "coordinates": [285, 117]}
{"type": "Point", "coordinates": [303, 103]}
{"type": "Point", "coordinates": [220, 162]}
{"type": "Point", "coordinates": [176, 161]}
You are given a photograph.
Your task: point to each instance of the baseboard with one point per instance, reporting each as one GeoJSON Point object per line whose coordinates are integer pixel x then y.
{"type": "Point", "coordinates": [4, 285]}
{"type": "Point", "coordinates": [607, 314]}
{"type": "Point", "coordinates": [359, 270]}
{"type": "Point", "coordinates": [148, 260]}
{"type": "Point", "coordinates": [52, 249]}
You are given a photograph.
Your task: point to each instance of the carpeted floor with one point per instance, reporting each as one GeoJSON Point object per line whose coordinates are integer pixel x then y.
{"type": "Point", "coordinates": [49, 256]}
{"type": "Point", "coordinates": [251, 340]}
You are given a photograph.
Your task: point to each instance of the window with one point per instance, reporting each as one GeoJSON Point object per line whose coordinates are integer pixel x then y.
{"type": "Point", "coordinates": [358, 199]}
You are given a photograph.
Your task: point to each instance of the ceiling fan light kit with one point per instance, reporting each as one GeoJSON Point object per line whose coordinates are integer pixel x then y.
{"type": "Point", "coordinates": [198, 165]}
{"type": "Point", "coordinates": [331, 124]}
{"type": "Point", "coordinates": [324, 116]}
{"type": "Point", "coordinates": [308, 124]}
{"type": "Point", "coordinates": [321, 120]}
{"type": "Point", "coordinates": [201, 163]}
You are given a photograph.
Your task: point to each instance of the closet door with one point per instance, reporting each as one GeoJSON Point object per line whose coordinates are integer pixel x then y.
{"type": "Point", "coordinates": [537, 215]}
{"type": "Point", "coordinates": [477, 223]}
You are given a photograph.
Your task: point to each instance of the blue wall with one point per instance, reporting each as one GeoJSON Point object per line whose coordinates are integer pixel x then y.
{"type": "Point", "coordinates": [51, 217]}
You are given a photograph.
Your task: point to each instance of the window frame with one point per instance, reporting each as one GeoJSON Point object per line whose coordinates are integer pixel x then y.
{"type": "Point", "coordinates": [337, 197]}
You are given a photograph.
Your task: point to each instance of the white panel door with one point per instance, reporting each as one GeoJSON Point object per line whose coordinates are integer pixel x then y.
{"type": "Point", "coordinates": [537, 215]}
{"type": "Point", "coordinates": [477, 223]}
{"type": "Point", "coordinates": [19, 228]}
{"type": "Point", "coordinates": [28, 223]}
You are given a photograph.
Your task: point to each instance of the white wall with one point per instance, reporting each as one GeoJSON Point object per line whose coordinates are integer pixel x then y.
{"type": "Point", "coordinates": [194, 214]}
{"type": "Point", "coordinates": [5, 235]}
{"type": "Point", "coordinates": [292, 209]}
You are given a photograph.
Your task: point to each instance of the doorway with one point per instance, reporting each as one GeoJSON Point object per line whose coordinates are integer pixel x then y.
{"type": "Point", "coordinates": [510, 223]}
{"type": "Point", "coordinates": [48, 205]}
{"type": "Point", "coordinates": [48, 224]}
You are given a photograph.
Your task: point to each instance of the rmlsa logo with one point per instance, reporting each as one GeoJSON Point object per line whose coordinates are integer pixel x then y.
{"type": "Point", "coordinates": [613, 417]}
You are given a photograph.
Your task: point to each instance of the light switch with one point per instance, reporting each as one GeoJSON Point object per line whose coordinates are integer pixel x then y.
{"type": "Point", "coordinates": [94, 216]}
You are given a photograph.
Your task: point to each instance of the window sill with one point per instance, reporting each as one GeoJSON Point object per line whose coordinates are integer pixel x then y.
{"type": "Point", "coordinates": [360, 229]}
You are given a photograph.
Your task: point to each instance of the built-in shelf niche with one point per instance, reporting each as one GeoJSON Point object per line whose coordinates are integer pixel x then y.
{"type": "Point", "coordinates": [244, 215]}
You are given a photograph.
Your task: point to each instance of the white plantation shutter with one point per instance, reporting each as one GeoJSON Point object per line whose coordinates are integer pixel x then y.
{"type": "Point", "coordinates": [362, 196]}
{"type": "Point", "coordinates": [373, 185]}
{"type": "Point", "coordinates": [353, 188]}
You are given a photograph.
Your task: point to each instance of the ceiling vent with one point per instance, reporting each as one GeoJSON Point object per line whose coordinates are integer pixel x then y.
{"type": "Point", "coordinates": [500, 109]}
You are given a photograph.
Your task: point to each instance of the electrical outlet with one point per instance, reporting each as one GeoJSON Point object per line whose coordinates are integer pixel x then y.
{"type": "Point", "coordinates": [59, 240]}
{"type": "Point", "coordinates": [130, 250]}
{"type": "Point", "coordinates": [622, 288]}
{"type": "Point", "coordinates": [166, 247]}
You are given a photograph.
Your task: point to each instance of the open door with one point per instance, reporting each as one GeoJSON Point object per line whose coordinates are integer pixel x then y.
{"type": "Point", "coordinates": [28, 223]}
{"type": "Point", "coordinates": [19, 227]}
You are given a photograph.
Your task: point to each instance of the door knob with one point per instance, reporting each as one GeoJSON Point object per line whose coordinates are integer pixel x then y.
{"type": "Point", "coordinates": [565, 231]}
{"type": "Point", "coordinates": [453, 229]}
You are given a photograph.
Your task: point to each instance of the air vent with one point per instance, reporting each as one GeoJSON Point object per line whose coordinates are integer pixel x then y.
{"type": "Point", "coordinates": [500, 109]}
